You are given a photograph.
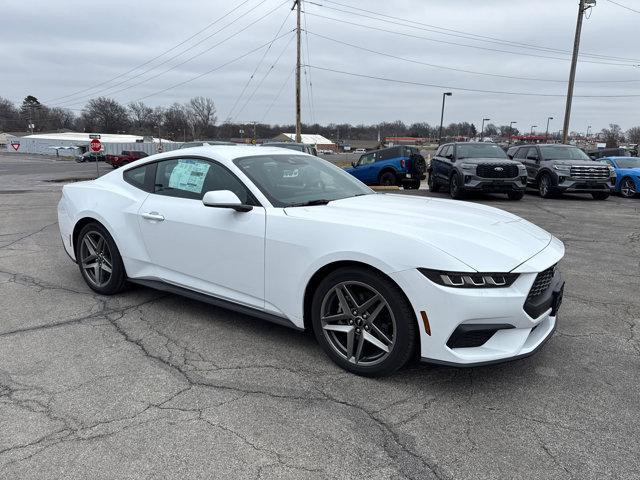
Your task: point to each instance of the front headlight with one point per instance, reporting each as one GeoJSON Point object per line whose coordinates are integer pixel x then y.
{"type": "Point", "coordinates": [612, 171]}
{"type": "Point", "coordinates": [563, 168]}
{"type": "Point", "coordinates": [469, 167]}
{"type": "Point", "coordinates": [470, 280]}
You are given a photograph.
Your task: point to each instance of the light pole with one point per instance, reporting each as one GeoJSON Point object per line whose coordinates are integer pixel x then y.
{"type": "Point", "coordinates": [511, 131]}
{"type": "Point", "coordinates": [588, 129]}
{"type": "Point", "coordinates": [532, 127]}
{"type": "Point", "coordinates": [582, 8]}
{"type": "Point", "coordinates": [444, 95]}
{"type": "Point", "coordinates": [546, 134]}
{"type": "Point", "coordinates": [482, 129]}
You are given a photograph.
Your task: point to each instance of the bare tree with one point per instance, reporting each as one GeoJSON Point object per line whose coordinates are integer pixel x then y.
{"type": "Point", "coordinates": [613, 135]}
{"type": "Point", "coordinates": [9, 116]}
{"type": "Point", "coordinates": [141, 117]}
{"type": "Point", "coordinates": [202, 112]}
{"type": "Point", "coordinates": [633, 134]}
{"type": "Point", "coordinates": [176, 122]}
{"type": "Point", "coordinates": [105, 115]}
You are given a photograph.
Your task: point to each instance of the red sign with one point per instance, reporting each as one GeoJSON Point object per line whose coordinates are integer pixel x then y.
{"type": "Point", "coordinates": [15, 144]}
{"type": "Point", "coordinates": [96, 145]}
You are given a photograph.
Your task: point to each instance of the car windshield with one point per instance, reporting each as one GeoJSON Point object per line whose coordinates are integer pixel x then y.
{"type": "Point", "coordinates": [560, 152]}
{"type": "Point", "coordinates": [474, 150]}
{"type": "Point", "coordinates": [296, 180]}
{"type": "Point", "coordinates": [630, 162]}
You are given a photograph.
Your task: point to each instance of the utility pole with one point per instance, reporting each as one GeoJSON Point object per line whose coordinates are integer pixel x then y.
{"type": "Point", "coordinates": [482, 130]}
{"type": "Point", "coordinates": [583, 6]}
{"type": "Point", "coordinates": [296, 4]}
{"type": "Point", "coordinates": [511, 131]}
{"type": "Point", "coordinates": [444, 95]}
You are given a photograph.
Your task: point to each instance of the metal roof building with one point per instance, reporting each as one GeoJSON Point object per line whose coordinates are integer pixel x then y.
{"type": "Point", "coordinates": [311, 139]}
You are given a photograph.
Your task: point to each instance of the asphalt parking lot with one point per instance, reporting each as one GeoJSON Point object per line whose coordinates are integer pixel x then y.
{"type": "Point", "coordinates": [151, 385]}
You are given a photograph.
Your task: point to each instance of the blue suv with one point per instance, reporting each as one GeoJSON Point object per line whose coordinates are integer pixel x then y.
{"type": "Point", "coordinates": [400, 165]}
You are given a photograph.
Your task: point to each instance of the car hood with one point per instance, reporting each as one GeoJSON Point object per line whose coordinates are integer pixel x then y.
{"type": "Point", "coordinates": [484, 238]}
{"type": "Point", "coordinates": [502, 161]}
{"type": "Point", "coordinates": [585, 163]}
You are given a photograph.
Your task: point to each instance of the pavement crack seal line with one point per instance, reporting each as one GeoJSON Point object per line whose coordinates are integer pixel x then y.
{"type": "Point", "coordinates": [392, 445]}
{"type": "Point", "coordinates": [29, 235]}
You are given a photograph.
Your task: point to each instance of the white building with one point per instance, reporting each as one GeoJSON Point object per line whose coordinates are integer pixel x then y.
{"type": "Point", "coordinates": [74, 143]}
{"type": "Point", "coordinates": [310, 139]}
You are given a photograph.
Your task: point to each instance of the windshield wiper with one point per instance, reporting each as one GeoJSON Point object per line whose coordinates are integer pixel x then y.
{"type": "Point", "coordinates": [320, 201]}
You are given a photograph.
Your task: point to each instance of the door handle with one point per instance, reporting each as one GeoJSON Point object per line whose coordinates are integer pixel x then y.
{"type": "Point", "coordinates": [153, 216]}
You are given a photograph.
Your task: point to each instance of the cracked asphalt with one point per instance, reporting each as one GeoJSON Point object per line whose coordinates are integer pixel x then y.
{"type": "Point", "coordinates": [150, 385]}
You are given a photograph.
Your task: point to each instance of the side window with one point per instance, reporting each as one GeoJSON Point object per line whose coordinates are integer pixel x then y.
{"type": "Point", "coordinates": [367, 159]}
{"type": "Point", "coordinates": [389, 153]}
{"type": "Point", "coordinates": [140, 177]}
{"type": "Point", "coordinates": [445, 150]}
{"type": "Point", "coordinates": [521, 152]}
{"type": "Point", "coordinates": [532, 153]}
{"type": "Point", "coordinates": [219, 178]}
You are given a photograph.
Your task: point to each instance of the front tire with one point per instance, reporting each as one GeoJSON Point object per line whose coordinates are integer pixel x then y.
{"type": "Point", "coordinates": [600, 195]}
{"type": "Point", "coordinates": [433, 184]}
{"type": "Point", "coordinates": [99, 260]}
{"type": "Point", "coordinates": [628, 188]}
{"type": "Point", "coordinates": [455, 189]}
{"type": "Point", "coordinates": [544, 185]}
{"type": "Point", "coordinates": [363, 322]}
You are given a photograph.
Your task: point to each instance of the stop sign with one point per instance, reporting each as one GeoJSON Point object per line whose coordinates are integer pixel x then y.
{"type": "Point", "coordinates": [95, 145]}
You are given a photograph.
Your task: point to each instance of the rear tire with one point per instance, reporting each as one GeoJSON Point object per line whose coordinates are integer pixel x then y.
{"type": "Point", "coordinates": [357, 341]}
{"type": "Point", "coordinates": [600, 195]}
{"type": "Point", "coordinates": [455, 189]}
{"type": "Point", "coordinates": [387, 179]}
{"type": "Point", "coordinates": [99, 260]}
{"type": "Point", "coordinates": [515, 195]}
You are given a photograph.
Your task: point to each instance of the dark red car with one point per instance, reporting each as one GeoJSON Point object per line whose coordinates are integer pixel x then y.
{"type": "Point", "coordinates": [127, 156]}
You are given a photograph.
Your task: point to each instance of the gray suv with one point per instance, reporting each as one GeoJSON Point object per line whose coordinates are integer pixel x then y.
{"type": "Point", "coordinates": [556, 168]}
{"type": "Point", "coordinates": [476, 167]}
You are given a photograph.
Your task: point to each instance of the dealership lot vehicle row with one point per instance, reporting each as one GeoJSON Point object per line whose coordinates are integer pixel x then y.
{"type": "Point", "coordinates": [154, 384]}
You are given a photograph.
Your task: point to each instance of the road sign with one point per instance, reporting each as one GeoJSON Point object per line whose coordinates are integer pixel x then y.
{"type": "Point", "coordinates": [15, 144]}
{"type": "Point", "coordinates": [94, 135]}
{"type": "Point", "coordinates": [96, 145]}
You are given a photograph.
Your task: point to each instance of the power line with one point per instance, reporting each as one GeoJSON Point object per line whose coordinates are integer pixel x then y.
{"type": "Point", "coordinates": [449, 87]}
{"type": "Point", "coordinates": [462, 34]}
{"type": "Point", "coordinates": [278, 95]}
{"type": "Point", "coordinates": [307, 73]}
{"type": "Point", "coordinates": [623, 6]}
{"type": "Point", "coordinates": [240, 57]}
{"type": "Point", "coordinates": [236, 33]}
{"type": "Point", "coordinates": [462, 44]}
{"type": "Point", "coordinates": [151, 60]}
{"type": "Point", "coordinates": [246, 85]}
{"type": "Point", "coordinates": [473, 72]}
{"type": "Point", "coordinates": [264, 77]}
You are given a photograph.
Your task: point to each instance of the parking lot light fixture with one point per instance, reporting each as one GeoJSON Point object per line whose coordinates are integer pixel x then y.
{"type": "Point", "coordinates": [444, 95]}
{"type": "Point", "coordinates": [482, 129]}
{"type": "Point", "coordinates": [511, 131]}
{"type": "Point", "coordinates": [532, 127]}
{"type": "Point", "coordinates": [546, 134]}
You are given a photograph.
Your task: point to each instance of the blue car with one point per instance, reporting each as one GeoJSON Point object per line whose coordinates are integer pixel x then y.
{"type": "Point", "coordinates": [402, 165]}
{"type": "Point", "coordinates": [628, 174]}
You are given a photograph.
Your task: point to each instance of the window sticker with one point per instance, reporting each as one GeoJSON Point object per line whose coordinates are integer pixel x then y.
{"type": "Point", "coordinates": [290, 173]}
{"type": "Point", "coordinates": [189, 175]}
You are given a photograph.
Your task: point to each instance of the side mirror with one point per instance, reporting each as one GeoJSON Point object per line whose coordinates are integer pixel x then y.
{"type": "Point", "coordinates": [532, 158]}
{"type": "Point", "coordinates": [354, 164]}
{"type": "Point", "coordinates": [224, 199]}
{"type": "Point", "coordinates": [450, 157]}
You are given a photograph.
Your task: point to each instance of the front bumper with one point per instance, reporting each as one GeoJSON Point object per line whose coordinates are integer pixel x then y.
{"type": "Point", "coordinates": [495, 185]}
{"type": "Point", "coordinates": [516, 335]}
{"type": "Point", "coordinates": [568, 184]}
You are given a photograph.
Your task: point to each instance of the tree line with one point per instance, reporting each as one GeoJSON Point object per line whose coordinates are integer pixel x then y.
{"type": "Point", "coordinates": [197, 119]}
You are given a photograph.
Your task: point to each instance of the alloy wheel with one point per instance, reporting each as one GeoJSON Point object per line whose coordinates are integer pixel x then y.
{"type": "Point", "coordinates": [544, 186]}
{"type": "Point", "coordinates": [358, 323]}
{"type": "Point", "coordinates": [96, 259]}
{"type": "Point", "coordinates": [628, 188]}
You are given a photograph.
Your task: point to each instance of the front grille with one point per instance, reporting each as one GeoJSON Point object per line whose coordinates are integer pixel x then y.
{"type": "Point", "coordinates": [497, 170]}
{"type": "Point", "coordinates": [541, 283]}
{"type": "Point", "coordinates": [588, 172]}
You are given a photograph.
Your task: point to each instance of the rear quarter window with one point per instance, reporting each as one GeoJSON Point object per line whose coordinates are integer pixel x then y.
{"type": "Point", "coordinates": [141, 177]}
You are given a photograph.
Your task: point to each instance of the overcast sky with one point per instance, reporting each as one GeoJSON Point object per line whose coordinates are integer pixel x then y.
{"type": "Point", "coordinates": [54, 49]}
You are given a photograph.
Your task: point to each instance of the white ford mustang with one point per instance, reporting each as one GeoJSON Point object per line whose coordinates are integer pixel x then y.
{"type": "Point", "coordinates": [295, 240]}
